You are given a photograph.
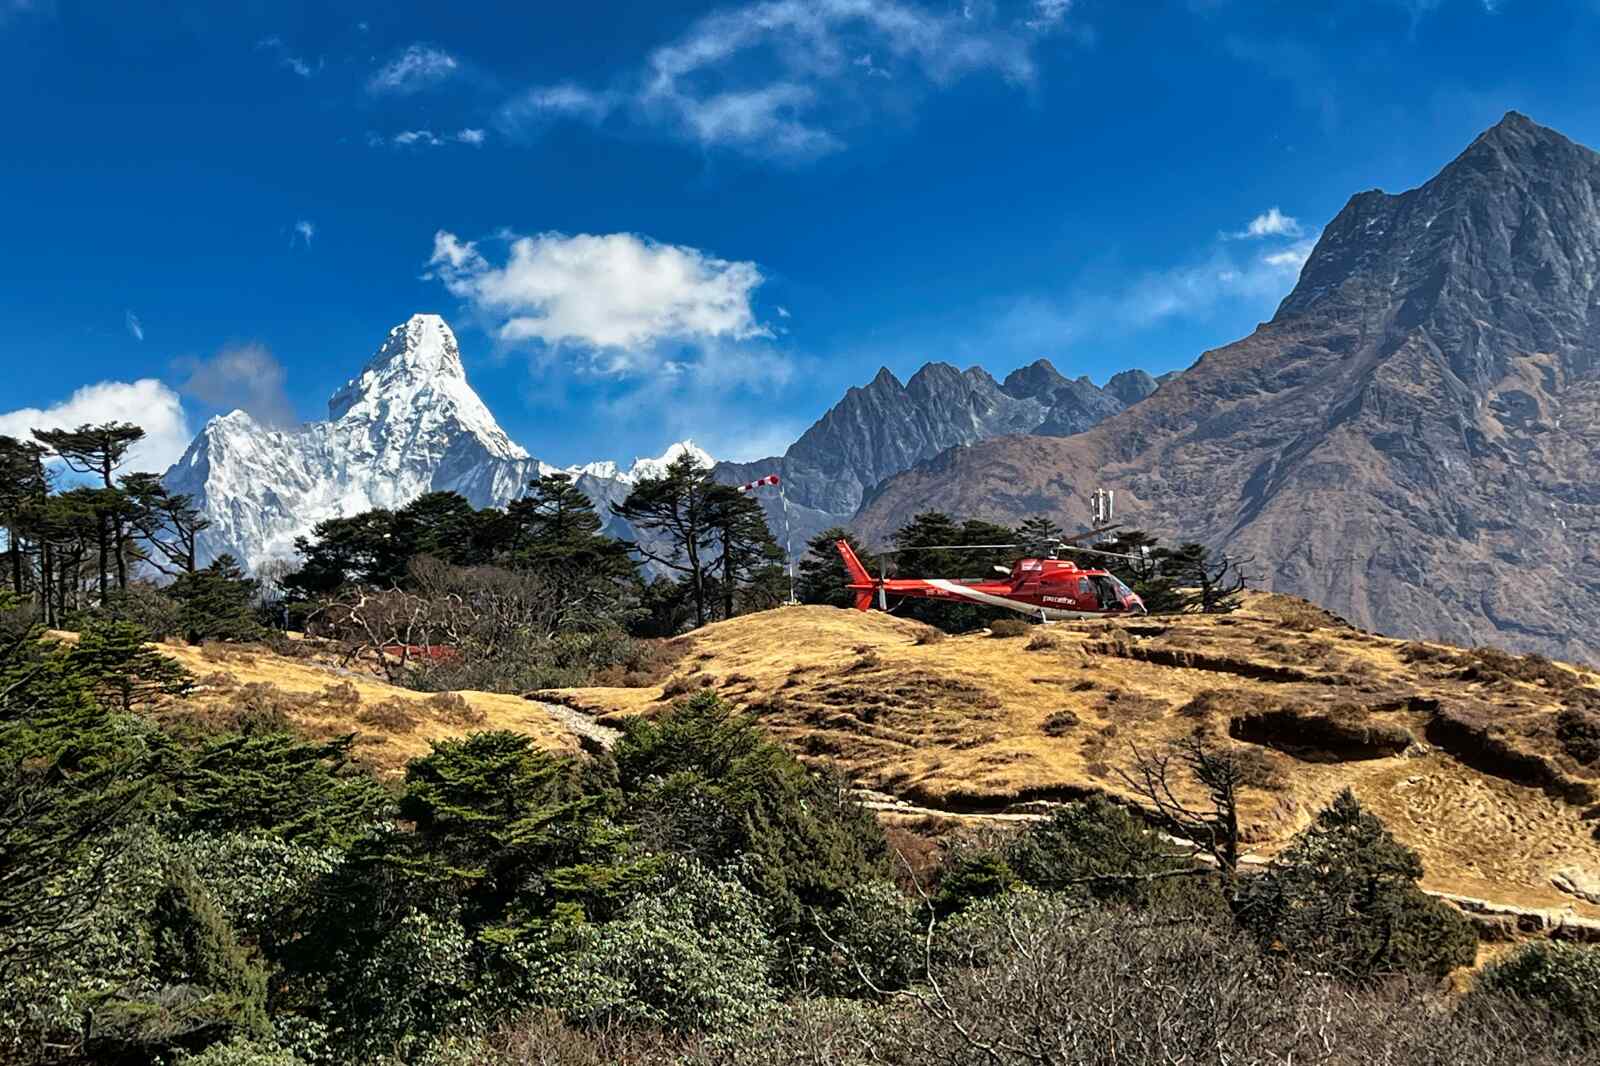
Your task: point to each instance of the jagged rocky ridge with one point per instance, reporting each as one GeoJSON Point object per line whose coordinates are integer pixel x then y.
{"type": "Point", "coordinates": [410, 423]}
{"type": "Point", "coordinates": [1411, 441]}
{"type": "Point", "coordinates": [885, 427]}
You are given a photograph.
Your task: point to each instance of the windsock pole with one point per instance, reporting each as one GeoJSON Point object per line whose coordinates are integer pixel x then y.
{"type": "Point", "coordinates": [788, 539]}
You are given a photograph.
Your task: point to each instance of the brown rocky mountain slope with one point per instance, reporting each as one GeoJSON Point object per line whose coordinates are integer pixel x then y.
{"type": "Point", "coordinates": [1412, 439]}
{"type": "Point", "coordinates": [1476, 759]}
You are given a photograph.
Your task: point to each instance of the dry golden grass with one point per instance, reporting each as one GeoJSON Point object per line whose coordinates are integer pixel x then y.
{"type": "Point", "coordinates": [312, 697]}
{"type": "Point", "coordinates": [970, 723]}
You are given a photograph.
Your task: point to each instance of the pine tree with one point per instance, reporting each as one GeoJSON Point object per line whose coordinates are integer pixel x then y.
{"type": "Point", "coordinates": [676, 505]}
{"type": "Point", "coordinates": [1215, 578]}
{"type": "Point", "coordinates": [210, 986]}
{"type": "Point", "coordinates": [99, 450]}
{"type": "Point", "coordinates": [1039, 532]}
{"type": "Point", "coordinates": [23, 487]}
{"type": "Point", "coordinates": [71, 775]}
{"type": "Point", "coordinates": [217, 603]}
{"type": "Point", "coordinates": [1144, 570]}
{"type": "Point", "coordinates": [168, 523]}
{"type": "Point", "coordinates": [122, 671]}
{"type": "Point", "coordinates": [1343, 897]}
{"type": "Point", "coordinates": [747, 554]}
{"type": "Point", "coordinates": [555, 533]}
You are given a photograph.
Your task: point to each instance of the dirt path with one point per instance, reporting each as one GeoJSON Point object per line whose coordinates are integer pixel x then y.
{"type": "Point", "coordinates": [581, 723]}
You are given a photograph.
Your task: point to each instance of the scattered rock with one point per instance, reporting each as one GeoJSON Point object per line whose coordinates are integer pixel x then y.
{"type": "Point", "coordinates": [1576, 881]}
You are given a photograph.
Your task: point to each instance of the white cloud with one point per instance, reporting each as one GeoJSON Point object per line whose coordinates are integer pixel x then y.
{"type": "Point", "coordinates": [276, 47]}
{"type": "Point", "coordinates": [1292, 258]}
{"type": "Point", "coordinates": [473, 137]}
{"type": "Point", "coordinates": [304, 230]}
{"type": "Point", "coordinates": [146, 403]}
{"type": "Point", "coordinates": [623, 300]}
{"type": "Point", "coordinates": [780, 78]}
{"type": "Point", "coordinates": [545, 102]}
{"type": "Point", "coordinates": [415, 138]}
{"type": "Point", "coordinates": [1270, 223]}
{"type": "Point", "coordinates": [135, 327]}
{"type": "Point", "coordinates": [417, 68]}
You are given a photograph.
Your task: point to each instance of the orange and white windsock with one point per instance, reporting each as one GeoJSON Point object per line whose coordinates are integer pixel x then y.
{"type": "Point", "coordinates": [770, 479]}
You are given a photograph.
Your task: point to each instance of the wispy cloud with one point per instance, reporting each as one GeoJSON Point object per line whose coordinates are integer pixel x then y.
{"type": "Point", "coordinates": [417, 138]}
{"type": "Point", "coordinates": [246, 377]}
{"type": "Point", "coordinates": [785, 78]}
{"type": "Point", "coordinates": [146, 403]}
{"type": "Point", "coordinates": [275, 47]}
{"type": "Point", "coordinates": [1270, 223]}
{"type": "Point", "coordinates": [418, 67]}
{"type": "Point", "coordinates": [427, 139]}
{"type": "Point", "coordinates": [303, 231]}
{"type": "Point", "coordinates": [622, 303]}
{"type": "Point", "coordinates": [135, 327]}
{"type": "Point", "coordinates": [1219, 277]}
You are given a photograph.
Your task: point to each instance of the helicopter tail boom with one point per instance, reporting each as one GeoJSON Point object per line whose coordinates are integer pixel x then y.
{"type": "Point", "coordinates": [861, 582]}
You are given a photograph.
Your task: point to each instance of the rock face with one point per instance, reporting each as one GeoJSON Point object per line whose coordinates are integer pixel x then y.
{"type": "Point", "coordinates": [407, 424]}
{"type": "Point", "coordinates": [1410, 441]}
{"type": "Point", "coordinates": [885, 427]}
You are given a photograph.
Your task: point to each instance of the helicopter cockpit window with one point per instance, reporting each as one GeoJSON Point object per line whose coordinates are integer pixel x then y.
{"type": "Point", "coordinates": [1110, 591]}
{"type": "Point", "coordinates": [1083, 587]}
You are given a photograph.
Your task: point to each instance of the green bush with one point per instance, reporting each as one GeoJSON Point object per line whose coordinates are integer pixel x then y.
{"type": "Point", "coordinates": [1560, 980]}
{"type": "Point", "coordinates": [217, 603]}
{"type": "Point", "coordinates": [874, 938]}
{"type": "Point", "coordinates": [307, 792]}
{"type": "Point", "coordinates": [1342, 898]}
{"type": "Point", "coordinates": [970, 874]}
{"type": "Point", "coordinates": [241, 1052]}
{"type": "Point", "coordinates": [1097, 848]}
{"type": "Point", "coordinates": [112, 657]}
{"type": "Point", "coordinates": [691, 952]}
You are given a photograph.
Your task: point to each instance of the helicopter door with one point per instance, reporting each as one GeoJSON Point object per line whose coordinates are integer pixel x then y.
{"type": "Point", "coordinates": [1085, 597]}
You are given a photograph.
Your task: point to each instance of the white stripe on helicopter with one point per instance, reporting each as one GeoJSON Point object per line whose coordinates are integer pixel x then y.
{"type": "Point", "coordinates": [970, 593]}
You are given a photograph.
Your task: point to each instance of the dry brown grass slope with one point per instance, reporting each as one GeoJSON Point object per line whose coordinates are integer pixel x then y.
{"type": "Point", "coordinates": [314, 698]}
{"type": "Point", "coordinates": [1467, 755]}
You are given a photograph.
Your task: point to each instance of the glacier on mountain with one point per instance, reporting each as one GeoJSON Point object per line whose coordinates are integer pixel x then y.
{"type": "Point", "coordinates": [408, 424]}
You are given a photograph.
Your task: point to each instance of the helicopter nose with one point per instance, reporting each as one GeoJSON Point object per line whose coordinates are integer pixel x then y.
{"type": "Point", "coordinates": [1135, 601]}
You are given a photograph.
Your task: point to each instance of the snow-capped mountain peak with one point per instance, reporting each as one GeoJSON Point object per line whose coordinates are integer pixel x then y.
{"type": "Point", "coordinates": [643, 468]}
{"type": "Point", "coordinates": [408, 424]}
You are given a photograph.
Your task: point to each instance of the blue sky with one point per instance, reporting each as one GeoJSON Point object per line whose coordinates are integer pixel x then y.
{"type": "Point", "coordinates": [650, 220]}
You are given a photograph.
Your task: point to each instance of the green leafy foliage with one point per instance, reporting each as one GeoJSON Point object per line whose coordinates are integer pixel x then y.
{"type": "Point", "coordinates": [691, 952]}
{"type": "Point", "coordinates": [1098, 849]}
{"type": "Point", "coordinates": [1561, 980]}
{"type": "Point", "coordinates": [1343, 898]}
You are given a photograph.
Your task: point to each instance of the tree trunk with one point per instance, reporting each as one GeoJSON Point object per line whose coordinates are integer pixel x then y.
{"type": "Point", "coordinates": [45, 577]}
{"type": "Point", "coordinates": [104, 538]}
{"type": "Point", "coordinates": [727, 576]}
{"type": "Point", "coordinates": [692, 549]}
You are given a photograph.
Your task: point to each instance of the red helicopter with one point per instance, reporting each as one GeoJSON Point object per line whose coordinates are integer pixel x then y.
{"type": "Point", "coordinates": [1045, 588]}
